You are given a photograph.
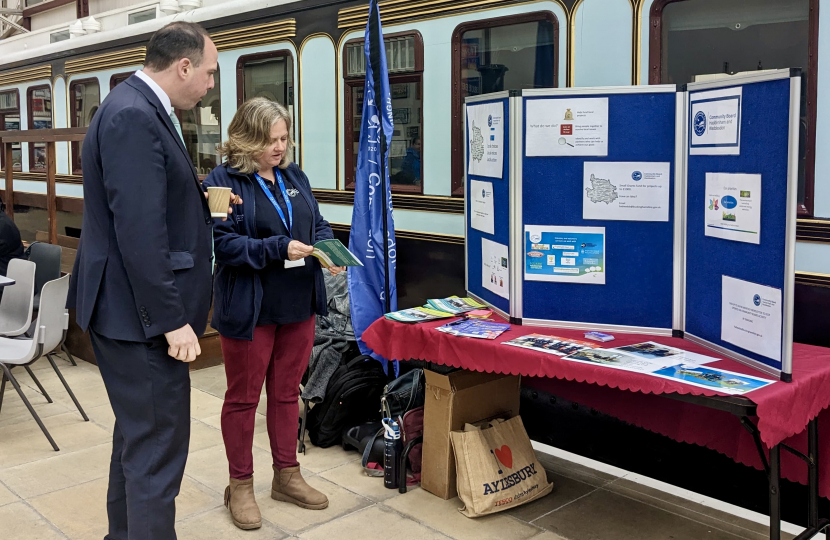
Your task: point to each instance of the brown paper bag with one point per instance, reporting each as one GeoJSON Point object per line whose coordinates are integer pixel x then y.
{"type": "Point", "coordinates": [497, 468]}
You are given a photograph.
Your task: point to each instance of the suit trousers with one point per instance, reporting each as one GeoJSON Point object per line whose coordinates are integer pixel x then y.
{"type": "Point", "coordinates": [150, 395]}
{"type": "Point", "coordinates": [277, 356]}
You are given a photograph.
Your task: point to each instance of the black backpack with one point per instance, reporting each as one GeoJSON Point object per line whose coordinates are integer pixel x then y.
{"type": "Point", "coordinates": [352, 397]}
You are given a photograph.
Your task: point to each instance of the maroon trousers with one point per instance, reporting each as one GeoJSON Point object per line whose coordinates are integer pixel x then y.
{"type": "Point", "coordinates": [278, 356]}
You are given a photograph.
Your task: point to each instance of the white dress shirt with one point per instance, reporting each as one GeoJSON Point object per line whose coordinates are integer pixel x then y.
{"type": "Point", "coordinates": [162, 95]}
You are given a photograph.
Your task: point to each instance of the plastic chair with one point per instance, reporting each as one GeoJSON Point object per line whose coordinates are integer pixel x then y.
{"type": "Point", "coordinates": [18, 299]}
{"type": "Point", "coordinates": [52, 323]}
{"type": "Point", "coordinates": [47, 257]}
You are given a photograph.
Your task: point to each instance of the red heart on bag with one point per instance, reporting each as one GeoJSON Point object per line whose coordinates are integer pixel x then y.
{"type": "Point", "coordinates": [504, 455]}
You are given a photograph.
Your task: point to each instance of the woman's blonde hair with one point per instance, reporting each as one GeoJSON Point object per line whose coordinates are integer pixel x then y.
{"type": "Point", "coordinates": [249, 134]}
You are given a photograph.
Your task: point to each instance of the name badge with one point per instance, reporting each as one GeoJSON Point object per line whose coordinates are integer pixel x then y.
{"type": "Point", "coordinates": [294, 264]}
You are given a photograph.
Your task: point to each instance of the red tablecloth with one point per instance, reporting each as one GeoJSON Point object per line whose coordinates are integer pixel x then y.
{"type": "Point", "coordinates": [783, 409]}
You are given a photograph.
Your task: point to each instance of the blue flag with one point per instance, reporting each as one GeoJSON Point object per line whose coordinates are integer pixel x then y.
{"type": "Point", "coordinates": [372, 290]}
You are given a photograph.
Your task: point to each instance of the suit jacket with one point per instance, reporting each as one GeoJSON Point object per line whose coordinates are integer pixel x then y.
{"type": "Point", "coordinates": [143, 266]}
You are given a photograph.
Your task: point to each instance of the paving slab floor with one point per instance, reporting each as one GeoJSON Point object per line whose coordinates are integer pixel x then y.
{"type": "Point", "coordinates": [47, 495]}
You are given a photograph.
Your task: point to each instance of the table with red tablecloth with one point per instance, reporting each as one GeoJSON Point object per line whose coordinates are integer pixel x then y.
{"type": "Point", "coordinates": [783, 409]}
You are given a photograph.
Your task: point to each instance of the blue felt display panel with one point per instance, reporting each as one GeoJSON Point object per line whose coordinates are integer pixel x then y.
{"type": "Point", "coordinates": [764, 150]}
{"type": "Point", "coordinates": [639, 255]}
{"type": "Point", "coordinates": [501, 210]}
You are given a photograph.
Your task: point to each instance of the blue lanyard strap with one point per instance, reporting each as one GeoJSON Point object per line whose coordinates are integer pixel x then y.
{"type": "Point", "coordinates": [289, 225]}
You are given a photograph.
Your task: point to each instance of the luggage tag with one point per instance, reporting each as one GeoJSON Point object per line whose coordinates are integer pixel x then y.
{"type": "Point", "coordinates": [294, 264]}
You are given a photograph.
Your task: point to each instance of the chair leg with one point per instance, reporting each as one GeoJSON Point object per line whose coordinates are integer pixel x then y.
{"type": "Point", "coordinates": [301, 438]}
{"type": "Point", "coordinates": [37, 382]}
{"type": "Point", "coordinates": [65, 349]}
{"type": "Point", "coordinates": [2, 389]}
{"type": "Point", "coordinates": [69, 390]}
{"type": "Point", "coordinates": [9, 375]}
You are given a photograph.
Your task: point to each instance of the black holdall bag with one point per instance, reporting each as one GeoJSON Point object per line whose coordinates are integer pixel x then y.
{"type": "Point", "coordinates": [351, 398]}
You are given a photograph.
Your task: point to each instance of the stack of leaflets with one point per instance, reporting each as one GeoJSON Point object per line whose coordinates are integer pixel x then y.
{"type": "Point", "coordinates": [442, 308]}
{"type": "Point", "coordinates": [474, 328]}
{"type": "Point", "coordinates": [454, 304]}
{"type": "Point", "coordinates": [418, 314]}
{"type": "Point", "coordinates": [550, 344]}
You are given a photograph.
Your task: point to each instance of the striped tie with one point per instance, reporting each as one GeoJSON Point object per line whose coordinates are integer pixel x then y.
{"type": "Point", "coordinates": [177, 125]}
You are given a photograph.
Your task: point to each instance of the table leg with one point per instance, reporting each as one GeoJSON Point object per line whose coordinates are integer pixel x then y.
{"type": "Point", "coordinates": [812, 478]}
{"type": "Point", "coordinates": [775, 493]}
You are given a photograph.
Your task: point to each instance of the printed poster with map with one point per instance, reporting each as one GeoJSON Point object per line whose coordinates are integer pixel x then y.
{"type": "Point", "coordinates": [626, 191]}
{"type": "Point", "coordinates": [485, 139]}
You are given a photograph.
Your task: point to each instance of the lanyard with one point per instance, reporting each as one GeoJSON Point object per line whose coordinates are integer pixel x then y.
{"type": "Point", "coordinates": [290, 223]}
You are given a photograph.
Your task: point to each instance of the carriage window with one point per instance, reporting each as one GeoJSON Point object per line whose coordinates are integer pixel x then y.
{"type": "Point", "coordinates": [201, 130]}
{"type": "Point", "coordinates": [405, 61]}
{"type": "Point", "coordinates": [85, 98]}
{"type": "Point", "coordinates": [118, 78]}
{"type": "Point", "coordinates": [40, 117]}
{"type": "Point", "coordinates": [706, 37]}
{"type": "Point", "coordinates": [268, 75]}
{"type": "Point", "coordinates": [10, 120]}
{"type": "Point", "coordinates": [508, 53]}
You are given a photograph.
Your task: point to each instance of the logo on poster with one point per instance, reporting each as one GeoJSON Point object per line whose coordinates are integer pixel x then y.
{"type": "Point", "coordinates": [729, 202]}
{"type": "Point", "coordinates": [483, 193]}
{"type": "Point", "coordinates": [756, 300]}
{"type": "Point", "coordinates": [636, 176]}
{"type": "Point", "coordinates": [535, 238]}
{"type": "Point", "coordinates": [490, 120]}
{"type": "Point", "coordinates": [700, 123]}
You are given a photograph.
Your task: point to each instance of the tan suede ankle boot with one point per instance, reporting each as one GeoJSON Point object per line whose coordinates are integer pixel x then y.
{"type": "Point", "coordinates": [289, 486]}
{"type": "Point", "coordinates": [239, 498]}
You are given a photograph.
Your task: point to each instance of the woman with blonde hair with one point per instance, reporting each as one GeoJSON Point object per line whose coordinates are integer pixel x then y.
{"type": "Point", "coordinates": [267, 291]}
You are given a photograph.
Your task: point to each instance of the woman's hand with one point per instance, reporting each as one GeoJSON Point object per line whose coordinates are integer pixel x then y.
{"type": "Point", "coordinates": [297, 250]}
{"type": "Point", "coordinates": [336, 269]}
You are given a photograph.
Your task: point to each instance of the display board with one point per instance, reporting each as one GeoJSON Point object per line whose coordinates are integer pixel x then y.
{"type": "Point", "coordinates": [487, 198]}
{"type": "Point", "coordinates": [597, 208]}
{"type": "Point", "coordinates": [742, 176]}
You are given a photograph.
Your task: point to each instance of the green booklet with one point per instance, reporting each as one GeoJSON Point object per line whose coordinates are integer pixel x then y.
{"type": "Point", "coordinates": [334, 253]}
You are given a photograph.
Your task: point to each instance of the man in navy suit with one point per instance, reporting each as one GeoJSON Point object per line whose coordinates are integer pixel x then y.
{"type": "Point", "coordinates": [143, 274]}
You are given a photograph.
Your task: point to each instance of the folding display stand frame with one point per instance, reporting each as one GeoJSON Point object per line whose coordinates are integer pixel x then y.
{"type": "Point", "coordinates": [768, 145]}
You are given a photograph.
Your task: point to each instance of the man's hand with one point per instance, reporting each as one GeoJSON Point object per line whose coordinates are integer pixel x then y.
{"type": "Point", "coordinates": [334, 270]}
{"type": "Point", "coordinates": [184, 344]}
{"type": "Point", "coordinates": [297, 250]}
{"type": "Point", "coordinates": [235, 200]}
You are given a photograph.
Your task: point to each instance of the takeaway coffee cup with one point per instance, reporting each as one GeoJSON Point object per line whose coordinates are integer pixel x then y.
{"type": "Point", "coordinates": [219, 199]}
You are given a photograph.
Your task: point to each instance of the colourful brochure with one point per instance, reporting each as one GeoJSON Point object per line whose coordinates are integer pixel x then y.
{"type": "Point", "coordinates": [550, 344]}
{"type": "Point", "coordinates": [454, 304]}
{"type": "Point", "coordinates": [720, 380]}
{"type": "Point", "coordinates": [474, 328]}
{"type": "Point", "coordinates": [334, 253]}
{"type": "Point", "coordinates": [418, 314]}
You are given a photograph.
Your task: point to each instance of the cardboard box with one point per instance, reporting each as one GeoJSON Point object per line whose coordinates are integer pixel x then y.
{"type": "Point", "coordinates": [451, 401]}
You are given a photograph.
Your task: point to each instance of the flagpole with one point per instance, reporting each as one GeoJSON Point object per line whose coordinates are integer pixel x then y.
{"type": "Point", "coordinates": [376, 41]}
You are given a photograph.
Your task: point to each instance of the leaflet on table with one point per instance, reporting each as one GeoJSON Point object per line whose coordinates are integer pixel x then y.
{"type": "Point", "coordinates": [418, 314]}
{"type": "Point", "coordinates": [617, 359]}
{"type": "Point", "coordinates": [663, 353]}
{"type": "Point", "coordinates": [565, 254]}
{"type": "Point", "coordinates": [333, 253]}
{"type": "Point", "coordinates": [550, 344]}
{"type": "Point", "coordinates": [733, 207]}
{"type": "Point", "coordinates": [495, 272]}
{"type": "Point", "coordinates": [454, 305]}
{"type": "Point", "coordinates": [715, 122]}
{"type": "Point", "coordinates": [474, 328]}
{"type": "Point", "coordinates": [721, 380]}
{"type": "Point", "coordinates": [485, 136]}
{"type": "Point", "coordinates": [751, 316]}
{"type": "Point", "coordinates": [481, 206]}
{"type": "Point", "coordinates": [566, 127]}
{"type": "Point", "coordinates": [627, 191]}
